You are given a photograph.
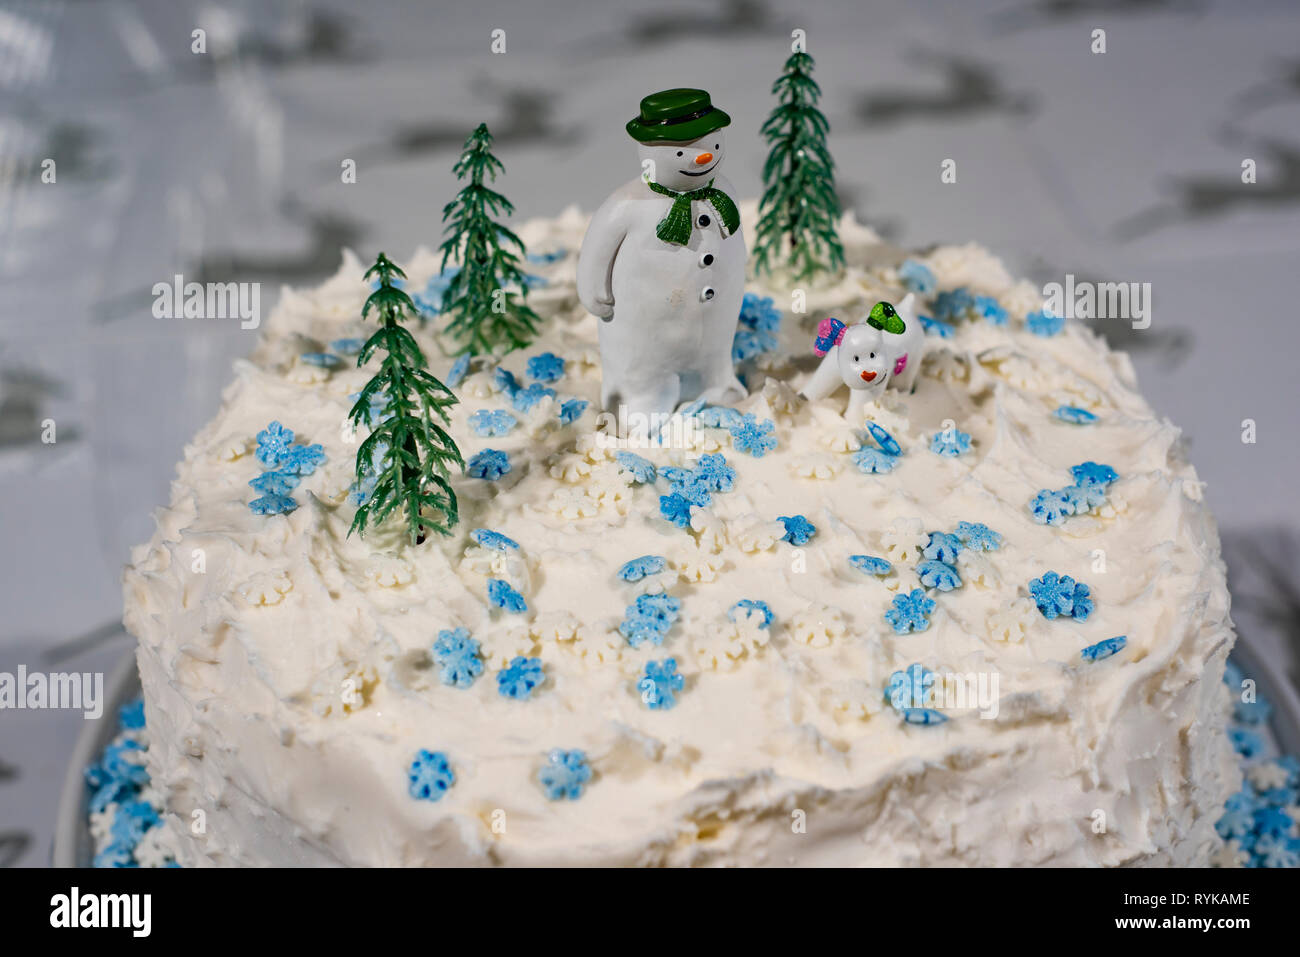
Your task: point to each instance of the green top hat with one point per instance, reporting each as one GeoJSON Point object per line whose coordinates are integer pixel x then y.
{"type": "Point", "coordinates": [676, 116]}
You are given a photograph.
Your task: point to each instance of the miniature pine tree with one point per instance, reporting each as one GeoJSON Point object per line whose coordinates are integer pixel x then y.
{"type": "Point", "coordinates": [408, 452]}
{"type": "Point", "coordinates": [485, 315]}
{"type": "Point", "coordinates": [799, 211]}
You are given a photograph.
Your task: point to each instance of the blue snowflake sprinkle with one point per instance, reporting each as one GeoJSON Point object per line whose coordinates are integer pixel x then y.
{"type": "Point", "coordinates": [642, 470]}
{"type": "Point", "coordinates": [458, 654]}
{"type": "Point", "coordinates": [749, 343]}
{"type": "Point", "coordinates": [506, 382]}
{"type": "Point", "coordinates": [1083, 499]}
{"type": "Point", "coordinates": [490, 464]}
{"type": "Point", "coordinates": [1272, 822]}
{"type": "Point", "coordinates": [564, 774]}
{"type": "Point", "coordinates": [1051, 507]}
{"type": "Point", "coordinates": [1043, 323]}
{"type": "Point", "coordinates": [659, 684]}
{"type": "Point", "coordinates": [639, 629]}
{"type": "Point", "coordinates": [943, 547]}
{"type": "Point", "coordinates": [272, 443]}
{"type": "Point", "coordinates": [519, 678]}
{"type": "Point", "coordinates": [133, 818]}
{"type": "Point", "coordinates": [1057, 595]}
{"type": "Point", "coordinates": [571, 410]}
{"type": "Point", "coordinates": [759, 312]}
{"type": "Point", "coordinates": [746, 607]}
{"type": "Point", "coordinates": [361, 489]}
{"type": "Point", "coordinates": [924, 716]}
{"type": "Point", "coordinates": [871, 565]}
{"type": "Point", "coordinates": [910, 688]}
{"type": "Point", "coordinates": [991, 310]}
{"type": "Point", "coordinates": [950, 442]}
{"type": "Point", "coordinates": [492, 422]}
{"type": "Point", "coordinates": [131, 715]}
{"type": "Point", "coordinates": [676, 509]}
{"type": "Point", "coordinates": [493, 540]}
{"type": "Point", "coordinates": [429, 301]}
{"type": "Point", "coordinates": [917, 277]}
{"type": "Point", "coordinates": [1092, 473]}
{"type": "Point", "coordinates": [934, 574]}
{"type": "Point", "coordinates": [547, 367]}
{"type": "Point", "coordinates": [933, 327]}
{"type": "Point", "coordinates": [639, 568]}
{"type": "Point", "coordinates": [719, 417]}
{"type": "Point", "coordinates": [275, 483]}
{"type": "Point", "coordinates": [323, 360]}
{"type": "Point", "coordinates": [910, 612]}
{"type": "Point", "coordinates": [302, 459]}
{"type": "Point", "coordinates": [272, 505]}
{"type": "Point", "coordinates": [693, 489]}
{"type": "Point", "coordinates": [798, 530]}
{"type": "Point", "coordinates": [954, 305]}
{"type": "Point", "coordinates": [753, 436]}
{"type": "Point", "coordinates": [503, 595]}
{"type": "Point", "coordinates": [887, 442]}
{"type": "Point", "coordinates": [552, 256]}
{"type": "Point", "coordinates": [665, 608]}
{"type": "Point", "coordinates": [1237, 825]}
{"type": "Point", "coordinates": [1104, 649]}
{"type": "Point", "coordinates": [715, 473]}
{"type": "Point", "coordinates": [978, 536]}
{"type": "Point", "coordinates": [430, 776]}
{"type": "Point", "coordinates": [1245, 742]}
{"type": "Point", "coordinates": [347, 347]}
{"type": "Point", "coordinates": [874, 461]}
{"type": "Point", "coordinates": [525, 399]}
{"type": "Point", "coordinates": [1072, 413]}
{"type": "Point", "coordinates": [459, 369]}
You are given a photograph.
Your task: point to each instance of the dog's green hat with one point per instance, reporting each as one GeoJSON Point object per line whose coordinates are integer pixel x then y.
{"type": "Point", "coordinates": [676, 116]}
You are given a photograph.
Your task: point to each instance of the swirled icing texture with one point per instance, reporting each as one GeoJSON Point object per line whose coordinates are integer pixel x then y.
{"type": "Point", "coordinates": [288, 682]}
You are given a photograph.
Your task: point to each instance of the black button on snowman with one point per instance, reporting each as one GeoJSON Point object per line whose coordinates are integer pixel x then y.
{"type": "Point", "coordinates": [666, 336]}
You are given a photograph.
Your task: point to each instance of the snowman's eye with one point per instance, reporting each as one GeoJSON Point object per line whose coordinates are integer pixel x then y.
{"type": "Point", "coordinates": [679, 152]}
{"type": "Point", "coordinates": [717, 146]}
{"type": "Point", "coordinates": [855, 358]}
{"type": "Point", "coordinates": [872, 356]}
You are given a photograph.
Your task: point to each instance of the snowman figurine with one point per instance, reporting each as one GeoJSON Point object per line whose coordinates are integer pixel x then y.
{"type": "Point", "coordinates": [663, 264]}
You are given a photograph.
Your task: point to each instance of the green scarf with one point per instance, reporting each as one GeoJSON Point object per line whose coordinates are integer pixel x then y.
{"type": "Point", "coordinates": [676, 226]}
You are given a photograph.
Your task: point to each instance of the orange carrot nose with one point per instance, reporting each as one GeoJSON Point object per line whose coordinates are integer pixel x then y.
{"type": "Point", "coordinates": [704, 159]}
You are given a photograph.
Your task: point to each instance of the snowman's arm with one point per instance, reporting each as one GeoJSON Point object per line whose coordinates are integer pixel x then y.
{"type": "Point", "coordinates": [826, 379]}
{"type": "Point", "coordinates": [596, 258]}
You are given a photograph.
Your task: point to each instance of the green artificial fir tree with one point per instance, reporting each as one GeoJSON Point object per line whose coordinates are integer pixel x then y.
{"type": "Point", "coordinates": [486, 316]}
{"type": "Point", "coordinates": [799, 211]}
{"type": "Point", "coordinates": [406, 456]}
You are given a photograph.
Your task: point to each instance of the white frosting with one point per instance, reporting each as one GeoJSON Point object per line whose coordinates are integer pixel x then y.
{"type": "Point", "coordinates": [781, 748]}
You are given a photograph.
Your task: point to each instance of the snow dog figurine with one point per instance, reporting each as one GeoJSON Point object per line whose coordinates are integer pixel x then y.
{"type": "Point", "coordinates": [884, 348]}
{"type": "Point", "coordinates": [663, 264]}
